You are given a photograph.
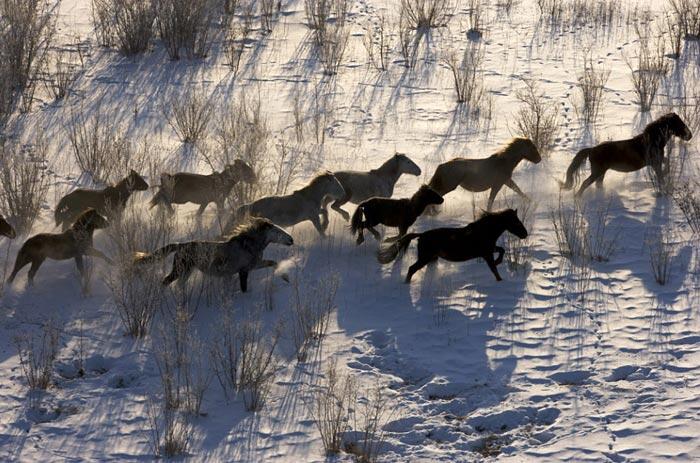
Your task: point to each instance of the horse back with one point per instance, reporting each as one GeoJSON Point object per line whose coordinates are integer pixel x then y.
{"type": "Point", "coordinates": [361, 186]}
{"type": "Point", "coordinates": [188, 187]}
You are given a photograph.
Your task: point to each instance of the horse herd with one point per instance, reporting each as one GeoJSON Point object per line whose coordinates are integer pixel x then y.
{"type": "Point", "coordinates": [251, 227]}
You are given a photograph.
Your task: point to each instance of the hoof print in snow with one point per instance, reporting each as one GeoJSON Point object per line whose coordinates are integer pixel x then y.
{"type": "Point", "coordinates": [571, 378]}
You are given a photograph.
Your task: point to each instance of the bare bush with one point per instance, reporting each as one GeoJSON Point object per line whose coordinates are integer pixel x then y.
{"type": "Point", "coordinates": [424, 14]}
{"type": "Point", "coordinates": [24, 184]}
{"type": "Point", "coordinates": [674, 33]}
{"type": "Point", "coordinates": [376, 42]}
{"type": "Point", "coordinates": [518, 251]}
{"type": "Point", "coordinates": [688, 202]}
{"type": "Point", "coordinates": [63, 72]}
{"type": "Point", "coordinates": [312, 306]}
{"type": "Point", "coordinates": [319, 12]}
{"type": "Point", "coordinates": [137, 293]}
{"type": "Point", "coordinates": [687, 16]}
{"type": "Point", "coordinates": [570, 229]}
{"type": "Point", "coordinates": [580, 13]}
{"type": "Point", "coordinates": [98, 148]}
{"type": "Point", "coordinates": [26, 30]}
{"type": "Point", "coordinates": [268, 8]}
{"type": "Point", "coordinates": [467, 75]}
{"type": "Point", "coordinates": [234, 47]}
{"type": "Point", "coordinates": [369, 416]}
{"type": "Point", "coordinates": [661, 248]}
{"type": "Point", "coordinates": [37, 354]}
{"type": "Point", "coordinates": [126, 23]}
{"type": "Point", "coordinates": [330, 407]}
{"type": "Point", "coordinates": [185, 25]}
{"type": "Point", "coordinates": [224, 353]}
{"type": "Point", "coordinates": [257, 365]}
{"type": "Point", "coordinates": [601, 240]}
{"type": "Point", "coordinates": [407, 45]}
{"type": "Point", "coordinates": [537, 118]}
{"type": "Point", "coordinates": [170, 431]}
{"type": "Point", "coordinates": [476, 18]}
{"type": "Point", "coordinates": [649, 70]}
{"type": "Point", "coordinates": [591, 82]}
{"type": "Point", "coordinates": [332, 42]}
{"type": "Point", "coordinates": [190, 117]}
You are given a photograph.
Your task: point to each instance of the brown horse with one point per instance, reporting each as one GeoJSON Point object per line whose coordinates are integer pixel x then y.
{"type": "Point", "coordinates": [6, 229]}
{"type": "Point", "coordinates": [107, 201]}
{"type": "Point", "coordinates": [478, 239]}
{"type": "Point", "coordinates": [401, 213]}
{"type": "Point", "coordinates": [481, 174]}
{"type": "Point", "coordinates": [646, 149]}
{"type": "Point", "coordinates": [185, 187]}
{"type": "Point", "coordinates": [241, 253]}
{"type": "Point", "coordinates": [73, 243]}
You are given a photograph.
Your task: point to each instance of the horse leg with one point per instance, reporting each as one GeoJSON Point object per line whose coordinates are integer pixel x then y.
{"type": "Point", "coordinates": [243, 277]}
{"type": "Point", "coordinates": [492, 265]}
{"type": "Point", "coordinates": [21, 261]}
{"type": "Point", "coordinates": [179, 270]}
{"type": "Point", "coordinates": [324, 218]}
{"type": "Point", "coordinates": [599, 181]}
{"type": "Point", "coordinates": [419, 264]}
{"type": "Point", "coordinates": [492, 196]}
{"type": "Point", "coordinates": [360, 234]}
{"type": "Point", "coordinates": [374, 233]}
{"type": "Point", "coordinates": [402, 231]}
{"type": "Point", "coordinates": [95, 253]}
{"type": "Point", "coordinates": [201, 209]}
{"type": "Point", "coordinates": [512, 185]}
{"type": "Point", "coordinates": [597, 172]}
{"type": "Point", "coordinates": [317, 224]}
{"type": "Point", "coordinates": [500, 252]}
{"type": "Point", "coordinates": [81, 272]}
{"type": "Point", "coordinates": [33, 269]}
{"type": "Point", "coordinates": [336, 207]}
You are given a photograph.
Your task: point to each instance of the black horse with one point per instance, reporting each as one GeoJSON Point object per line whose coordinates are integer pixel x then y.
{"type": "Point", "coordinates": [646, 149]}
{"type": "Point", "coordinates": [478, 239]}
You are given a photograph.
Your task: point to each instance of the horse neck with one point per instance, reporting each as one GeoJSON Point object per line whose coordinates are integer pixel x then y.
{"type": "Point", "coordinates": [418, 205]}
{"type": "Point", "coordinates": [389, 171]}
{"type": "Point", "coordinates": [511, 158]}
{"type": "Point", "coordinates": [493, 224]}
{"type": "Point", "coordinates": [313, 192]}
{"type": "Point", "coordinates": [83, 231]}
{"type": "Point", "coordinates": [123, 187]}
{"type": "Point", "coordinates": [657, 136]}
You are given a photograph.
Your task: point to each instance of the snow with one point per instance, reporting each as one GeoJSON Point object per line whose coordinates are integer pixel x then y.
{"type": "Point", "coordinates": [464, 359]}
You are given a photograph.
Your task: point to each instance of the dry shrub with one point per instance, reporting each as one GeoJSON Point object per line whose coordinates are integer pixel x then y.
{"type": "Point", "coordinates": [268, 10]}
{"type": "Point", "coordinates": [170, 431]}
{"type": "Point", "coordinates": [26, 30]}
{"type": "Point", "coordinates": [595, 14]}
{"type": "Point", "coordinates": [126, 23]}
{"type": "Point", "coordinates": [376, 43]}
{"type": "Point", "coordinates": [569, 229]}
{"type": "Point", "coordinates": [661, 248]}
{"type": "Point", "coordinates": [687, 16]}
{"type": "Point", "coordinates": [258, 363]}
{"type": "Point", "coordinates": [666, 173]}
{"type": "Point", "coordinates": [137, 293]}
{"type": "Point", "coordinates": [518, 251]}
{"type": "Point", "coordinates": [330, 407]}
{"type": "Point", "coordinates": [467, 75]}
{"type": "Point", "coordinates": [24, 184]}
{"type": "Point", "coordinates": [649, 70]}
{"type": "Point", "coordinates": [327, 19]}
{"type": "Point", "coordinates": [424, 14]}
{"type": "Point", "coordinates": [63, 72]}
{"type": "Point", "coordinates": [37, 354]}
{"type": "Point", "coordinates": [688, 202]}
{"type": "Point", "coordinates": [190, 116]}
{"type": "Point", "coordinates": [185, 25]}
{"type": "Point", "coordinates": [312, 305]}
{"type": "Point", "coordinates": [369, 417]}
{"type": "Point", "coordinates": [591, 82]}
{"type": "Point", "coordinates": [537, 118]}
{"type": "Point", "coordinates": [407, 42]}
{"type": "Point", "coordinates": [224, 353]}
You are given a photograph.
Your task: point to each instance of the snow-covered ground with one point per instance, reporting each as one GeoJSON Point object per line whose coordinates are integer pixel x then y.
{"type": "Point", "coordinates": [465, 361]}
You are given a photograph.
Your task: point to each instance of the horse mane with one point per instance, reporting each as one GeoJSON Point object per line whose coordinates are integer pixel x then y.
{"type": "Point", "coordinates": [248, 229]}
{"type": "Point", "coordinates": [513, 145]}
{"type": "Point", "coordinates": [315, 180]}
{"type": "Point", "coordinates": [659, 124]}
{"type": "Point", "coordinates": [487, 214]}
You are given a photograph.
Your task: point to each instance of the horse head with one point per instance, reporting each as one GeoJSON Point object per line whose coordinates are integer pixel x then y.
{"type": "Point", "coordinates": [242, 170]}
{"type": "Point", "coordinates": [136, 182]}
{"type": "Point", "coordinates": [91, 219]}
{"type": "Point", "coordinates": [405, 165]}
{"type": "Point", "coordinates": [678, 127]}
{"type": "Point", "coordinates": [6, 229]}
{"type": "Point", "coordinates": [513, 223]}
{"type": "Point", "coordinates": [527, 149]}
{"type": "Point", "coordinates": [427, 195]}
{"type": "Point", "coordinates": [275, 234]}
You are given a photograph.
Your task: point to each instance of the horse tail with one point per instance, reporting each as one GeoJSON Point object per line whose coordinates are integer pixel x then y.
{"type": "Point", "coordinates": [390, 253]}
{"type": "Point", "coordinates": [575, 165]}
{"type": "Point", "coordinates": [356, 221]}
{"type": "Point", "coordinates": [141, 258]}
{"type": "Point", "coordinates": [62, 212]}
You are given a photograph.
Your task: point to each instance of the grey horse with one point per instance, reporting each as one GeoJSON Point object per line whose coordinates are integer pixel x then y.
{"type": "Point", "coordinates": [239, 254]}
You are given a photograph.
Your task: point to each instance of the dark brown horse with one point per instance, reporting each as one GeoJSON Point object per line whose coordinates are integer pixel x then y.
{"type": "Point", "coordinates": [646, 149]}
{"type": "Point", "coordinates": [73, 243]}
{"type": "Point", "coordinates": [6, 229]}
{"type": "Point", "coordinates": [478, 239]}
{"type": "Point", "coordinates": [185, 187]}
{"type": "Point", "coordinates": [401, 213]}
{"type": "Point", "coordinates": [107, 201]}
{"type": "Point", "coordinates": [481, 174]}
{"type": "Point", "coordinates": [241, 253]}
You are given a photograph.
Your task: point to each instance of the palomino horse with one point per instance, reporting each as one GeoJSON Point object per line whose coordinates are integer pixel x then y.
{"type": "Point", "coordinates": [73, 243]}
{"type": "Point", "coordinates": [241, 253]}
{"type": "Point", "coordinates": [200, 189]}
{"type": "Point", "coordinates": [107, 201]}
{"type": "Point", "coordinates": [380, 182]}
{"type": "Point", "coordinates": [478, 239]}
{"type": "Point", "coordinates": [6, 229]}
{"type": "Point", "coordinates": [646, 149]}
{"type": "Point", "coordinates": [481, 174]}
{"type": "Point", "coordinates": [401, 213]}
{"type": "Point", "coordinates": [303, 204]}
